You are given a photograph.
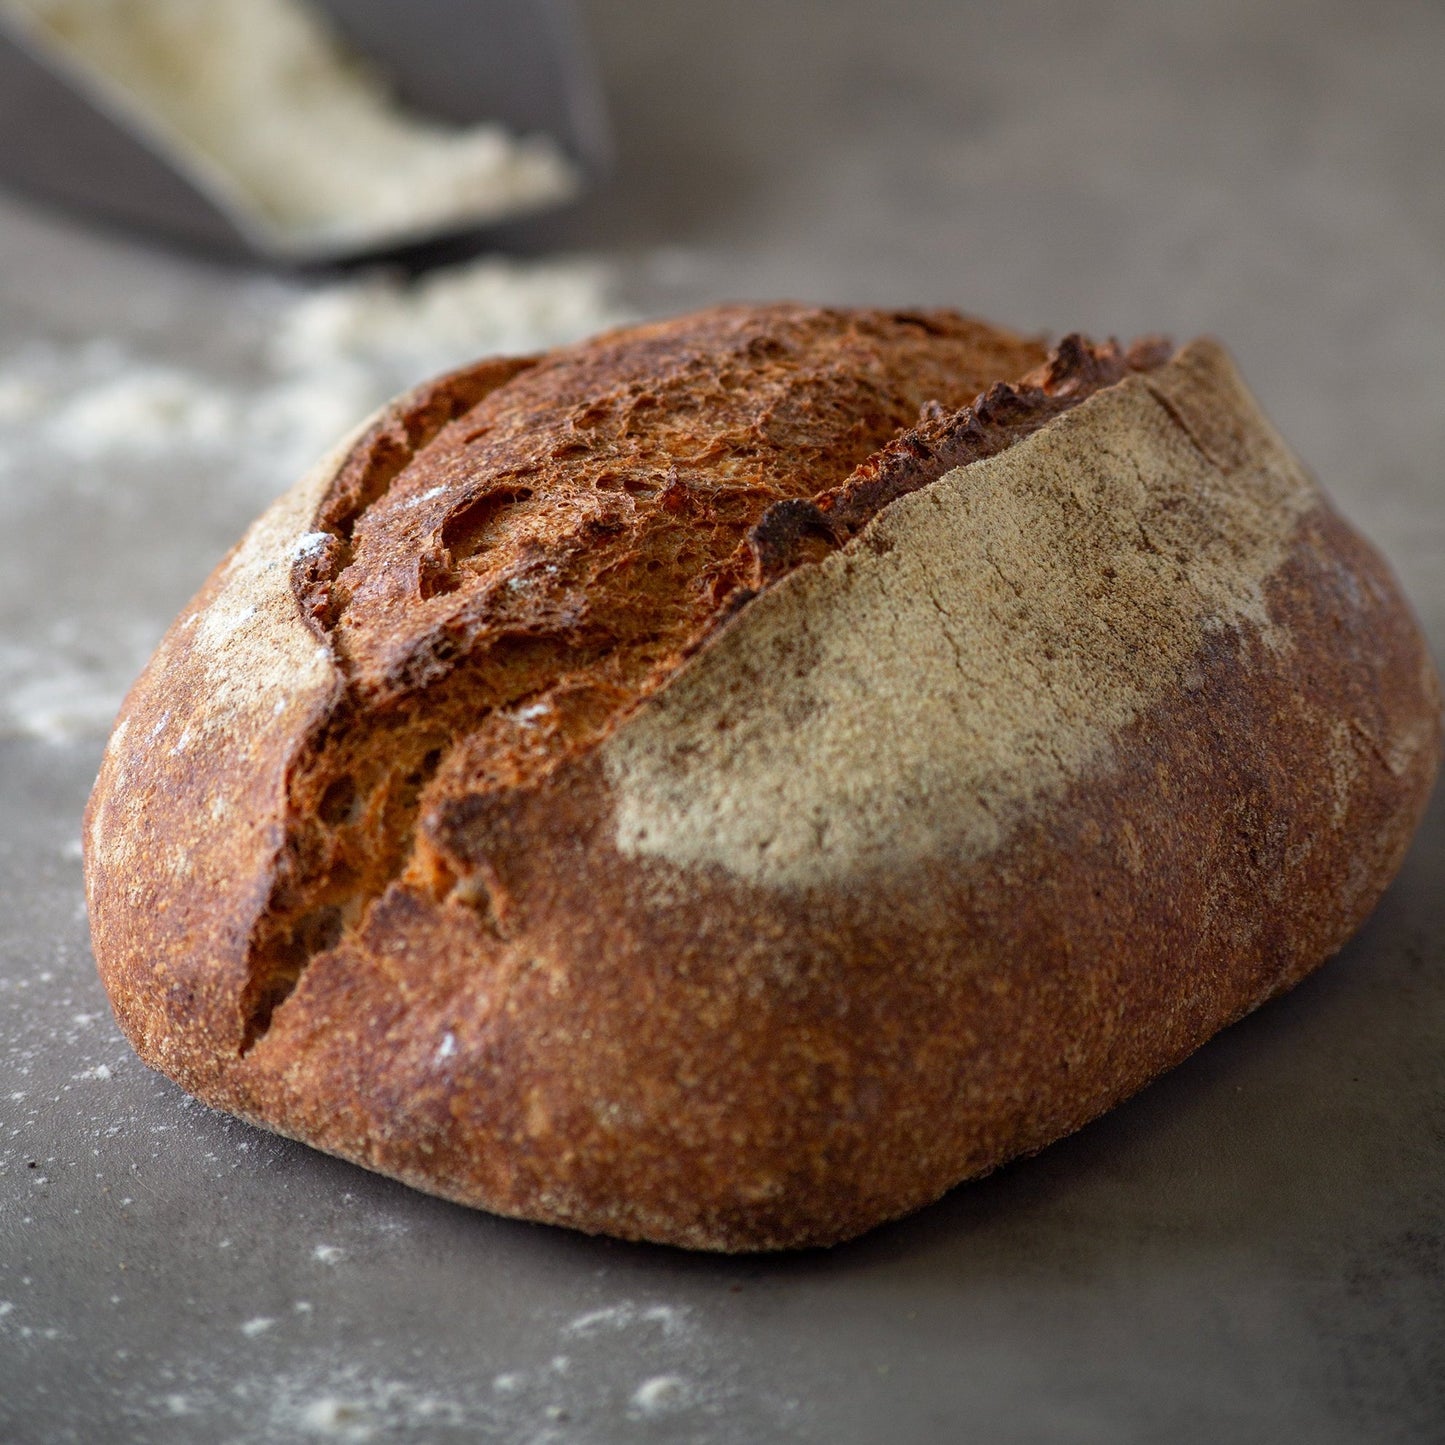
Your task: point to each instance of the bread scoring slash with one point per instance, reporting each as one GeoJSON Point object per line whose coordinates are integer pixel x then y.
{"type": "Point", "coordinates": [729, 781]}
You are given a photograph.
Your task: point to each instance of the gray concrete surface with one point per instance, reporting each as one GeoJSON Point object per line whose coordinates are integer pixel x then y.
{"type": "Point", "coordinates": [1250, 1251]}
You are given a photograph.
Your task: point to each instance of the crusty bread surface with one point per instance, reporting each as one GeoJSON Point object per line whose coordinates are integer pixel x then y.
{"type": "Point", "coordinates": [726, 782]}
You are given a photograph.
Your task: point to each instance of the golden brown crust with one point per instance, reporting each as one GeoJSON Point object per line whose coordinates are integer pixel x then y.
{"type": "Point", "coordinates": [572, 965]}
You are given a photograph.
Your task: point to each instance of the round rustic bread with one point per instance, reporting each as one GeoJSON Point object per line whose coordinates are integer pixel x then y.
{"type": "Point", "coordinates": [726, 782]}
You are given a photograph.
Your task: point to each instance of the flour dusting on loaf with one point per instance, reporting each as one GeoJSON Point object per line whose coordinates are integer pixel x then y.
{"type": "Point", "coordinates": [974, 653]}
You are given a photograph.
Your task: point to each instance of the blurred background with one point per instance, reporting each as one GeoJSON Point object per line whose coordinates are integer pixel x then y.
{"type": "Point", "coordinates": [1250, 1251]}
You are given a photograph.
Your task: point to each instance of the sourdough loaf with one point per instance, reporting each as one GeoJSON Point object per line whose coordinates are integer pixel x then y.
{"type": "Point", "coordinates": [729, 781]}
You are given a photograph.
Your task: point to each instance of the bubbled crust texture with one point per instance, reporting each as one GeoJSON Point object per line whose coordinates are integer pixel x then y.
{"type": "Point", "coordinates": [441, 834]}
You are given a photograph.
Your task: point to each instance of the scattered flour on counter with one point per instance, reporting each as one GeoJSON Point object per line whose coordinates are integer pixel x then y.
{"type": "Point", "coordinates": [328, 356]}
{"type": "Point", "coordinates": [330, 1416]}
{"type": "Point", "coordinates": [102, 433]}
{"type": "Point", "coordinates": [47, 695]}
{"type": "Point", "coordinates": [100, 400]}
{"type": "Point", "coordinates": [661, 1395]}
{"type": "Point", "coordinates": [632, 1370]}
{"type": "Point", "coordinates": [669, 1319]}
{"type": "Point", "coordinates": [445, 318]}
{"type": "Point", "coordinates": [66, 683]}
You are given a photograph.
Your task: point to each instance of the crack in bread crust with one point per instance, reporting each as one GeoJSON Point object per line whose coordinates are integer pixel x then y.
{"type": "Point", "coordinates": [789, 532]}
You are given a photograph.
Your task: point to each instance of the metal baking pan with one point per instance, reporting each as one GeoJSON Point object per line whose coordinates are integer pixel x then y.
{"type": "Point", "coordinates": [521, 63]}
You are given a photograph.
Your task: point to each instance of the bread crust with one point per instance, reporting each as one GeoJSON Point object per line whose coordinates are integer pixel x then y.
{"type": "Point", "coordinates": [936, 827]}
